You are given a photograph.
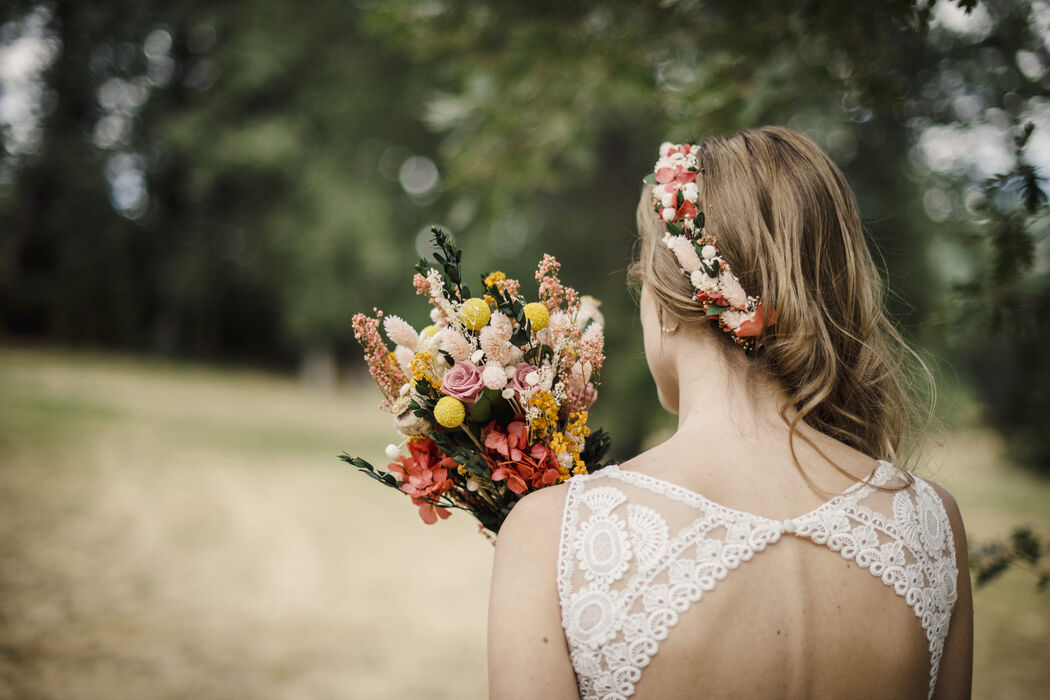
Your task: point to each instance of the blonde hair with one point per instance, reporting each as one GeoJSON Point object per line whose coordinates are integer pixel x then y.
{"type": "Point", "coordinates": [787, 222]}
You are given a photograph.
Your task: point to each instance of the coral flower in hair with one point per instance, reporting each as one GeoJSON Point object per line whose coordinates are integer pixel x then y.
{"type": "Point", "coordinates": [677, 176]}
{"type": "Point", "coordinates": [753, 327]}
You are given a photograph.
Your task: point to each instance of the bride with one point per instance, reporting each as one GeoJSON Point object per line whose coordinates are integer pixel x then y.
{"type": "Point", "coordinates": [774, 546]}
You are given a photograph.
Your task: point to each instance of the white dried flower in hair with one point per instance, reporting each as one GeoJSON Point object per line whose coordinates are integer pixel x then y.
{"type": "Point", "coordinates": [732, 291]}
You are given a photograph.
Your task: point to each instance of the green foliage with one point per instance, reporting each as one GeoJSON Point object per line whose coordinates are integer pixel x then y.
{"type": "Point", "coordinates": [449, 257]}
{"type": "Point", "coordinates": [385, 478]}
{"type": "Point", "coordinates": [1025, 549]}
{"type": "Point", "coordinates": [271, 155]}
{"type": "Point", "coordinates": [1007, 296]}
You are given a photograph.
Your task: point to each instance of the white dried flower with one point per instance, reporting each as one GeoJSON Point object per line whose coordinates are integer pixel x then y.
{"type": "Point", "coordinates": [667, 214]}
{"type": "Point", "coordinates": [494, 377]}
{"type": "Point", "coordinates": [559, 322]}
{"type": "Point", "coordinates": [493, 344]}
{"type": "Point", "coordinates": [476, 357]}
{"type": "Point", "coordinates": [457, 346]}
{"type": "Point", "coordinates": [501, 325]}
{"type": "Point", "coordinates": [410, 424]}
{"type": "Point", "coordinates": [399, 331]}
{"type": "Point", "coordinates": [433, 342]}
{"type": "Point", "coordinates": [393, 451]}
{"type": "Point", "coordinates": [532, 378]}
{"type": "Point", "coordinates": [708, 252]}
{"type": "Point", "coordinates": [404, 358]}
{"type": "Point", "coordinates": [589, 312]}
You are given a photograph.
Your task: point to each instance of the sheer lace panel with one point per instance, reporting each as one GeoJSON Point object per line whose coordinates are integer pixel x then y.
{"type": "Point", "coordinates": [625, 577]}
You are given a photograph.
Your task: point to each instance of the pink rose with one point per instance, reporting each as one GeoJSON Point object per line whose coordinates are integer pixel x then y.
{"type": "Point", "coordinates": [517, 382]}
{"type": "Point", "coordinates": [463, 381]}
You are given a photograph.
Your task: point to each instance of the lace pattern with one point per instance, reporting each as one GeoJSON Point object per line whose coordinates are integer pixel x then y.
{"type": "Point", "coordinates": [637, 579]}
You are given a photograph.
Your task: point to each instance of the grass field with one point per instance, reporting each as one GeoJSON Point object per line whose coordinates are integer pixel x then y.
{"type": "Point", "coordinates": [174, 531]}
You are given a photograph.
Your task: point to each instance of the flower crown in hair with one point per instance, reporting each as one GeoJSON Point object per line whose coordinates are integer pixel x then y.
{"type": "Point", "coordinates": [718, 290]}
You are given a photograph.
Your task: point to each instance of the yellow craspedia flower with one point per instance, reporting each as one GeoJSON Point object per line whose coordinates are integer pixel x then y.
{"type": "Point", "coordinates": [474, 314]}
{"type": "Point", "coordinates": [538, 315]}
{"type": "Point", "coordinates": [449, 412]}
{"type": "Point", "coordinates": [428, 332]}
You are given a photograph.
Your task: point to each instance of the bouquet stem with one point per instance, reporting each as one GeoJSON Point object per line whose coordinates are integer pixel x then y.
{"type": "Point", "coordinates": [473, 439]}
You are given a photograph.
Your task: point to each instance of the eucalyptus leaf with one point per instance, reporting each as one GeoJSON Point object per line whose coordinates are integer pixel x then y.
{"type": "Point", "coordinates": [481, 411]}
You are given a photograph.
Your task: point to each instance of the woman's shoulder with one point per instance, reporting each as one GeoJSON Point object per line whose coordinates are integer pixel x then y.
{"type": "Point", "coordinates": [532, 527]}
{"type": "Point", "coordinates": [951, 509]}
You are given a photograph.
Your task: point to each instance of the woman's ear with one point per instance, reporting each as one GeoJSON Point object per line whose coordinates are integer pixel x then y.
{"type": "Point", "coordinates": [666, 328]}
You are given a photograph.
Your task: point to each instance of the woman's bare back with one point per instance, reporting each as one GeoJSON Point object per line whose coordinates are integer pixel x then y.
{"type": "Point", "coordinates": [667, 593]}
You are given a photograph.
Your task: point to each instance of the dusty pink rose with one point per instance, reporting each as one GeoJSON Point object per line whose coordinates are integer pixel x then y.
{"type": "Point", "coordinates": [517, 382]}
{"type": "Point", "coordinates": [463, 381]}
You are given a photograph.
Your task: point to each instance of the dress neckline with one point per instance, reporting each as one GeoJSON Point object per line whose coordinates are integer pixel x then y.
{"type": "Point", "coordinates": [877, 477]}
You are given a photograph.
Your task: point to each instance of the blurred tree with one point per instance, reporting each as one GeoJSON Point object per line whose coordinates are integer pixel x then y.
{"type": "Point", "coordinates": [210, 179]}
{"type": "Point", "coordinates": [238, 178]}
{"type": "Point", "coordinates": [533, 98]}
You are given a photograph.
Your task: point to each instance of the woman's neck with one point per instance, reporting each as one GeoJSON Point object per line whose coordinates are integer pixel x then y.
{"type": "Point", "coordinates": [730, 410]}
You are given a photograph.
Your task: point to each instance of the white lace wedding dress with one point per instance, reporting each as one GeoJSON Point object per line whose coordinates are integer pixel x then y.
{"type": "Point", "coordinates": [637, 551]}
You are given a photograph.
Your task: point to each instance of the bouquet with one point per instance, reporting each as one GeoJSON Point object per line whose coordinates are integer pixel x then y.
{"type": "Point", "coordinates": [492, 397]}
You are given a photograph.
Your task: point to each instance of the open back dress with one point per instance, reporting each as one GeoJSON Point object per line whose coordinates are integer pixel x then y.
{"type": "Point", "coordinates": [637, 553]}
